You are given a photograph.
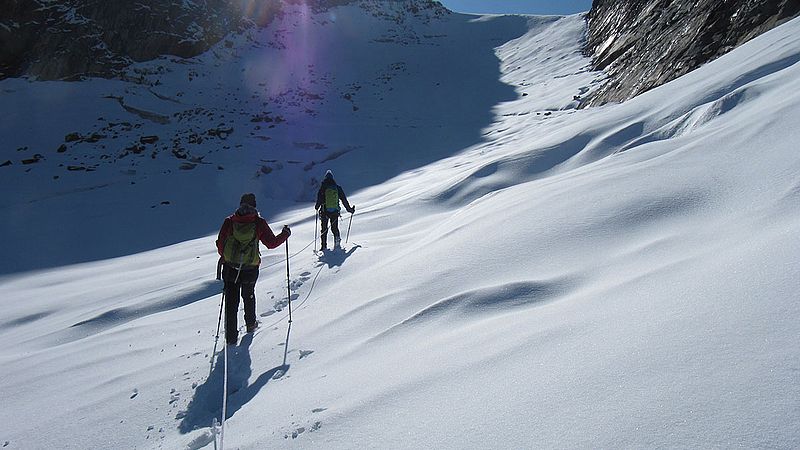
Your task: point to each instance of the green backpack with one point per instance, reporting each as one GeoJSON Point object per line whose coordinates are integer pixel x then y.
{"type": "Point", "coordinates": [241, 247]}
{"type": "Point", "coordinates": [332, 198]}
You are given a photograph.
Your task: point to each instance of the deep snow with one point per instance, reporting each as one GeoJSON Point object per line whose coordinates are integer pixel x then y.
{"type": "Point", "coordinates": [520, 273]}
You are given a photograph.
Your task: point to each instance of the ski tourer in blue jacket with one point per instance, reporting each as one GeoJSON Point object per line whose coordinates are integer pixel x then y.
{"type": "Point", "coordinates": [328, 198]}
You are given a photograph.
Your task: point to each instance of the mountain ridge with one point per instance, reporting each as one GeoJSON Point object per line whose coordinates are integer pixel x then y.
{"type": "Point", "coordinates": [75, 39]}
{"type": "Point", "coordinates": [642, 44]}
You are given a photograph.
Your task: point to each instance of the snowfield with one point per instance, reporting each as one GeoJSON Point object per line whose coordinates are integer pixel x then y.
{"type": "Point", "coordinates": [520, 273]}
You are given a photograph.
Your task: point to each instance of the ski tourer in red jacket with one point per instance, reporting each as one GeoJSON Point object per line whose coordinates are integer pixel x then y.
{"type": "Point", "coordinates": [247, 213]}
{"type": "Point", "coordinates": [237, 245]}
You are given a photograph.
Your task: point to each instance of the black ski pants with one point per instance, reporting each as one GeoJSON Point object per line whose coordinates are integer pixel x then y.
{"type": "Point", "coordinates": [333, 217]}
{"type": "Point", "coordinates": [244, 287]}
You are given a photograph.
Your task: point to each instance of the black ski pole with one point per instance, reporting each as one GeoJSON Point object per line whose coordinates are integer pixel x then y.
{"type": "Point", "coordinates": [219, 321]}
{"type": "Point", "coordinates": [216, 338]}
{"type": "Point", "coordinates": [288, 285]}
{"type": "Point", "coordinates": [316, 217]}
{"type": "Point", "coordinates": [222, 303]}
{"type": "Point", "coordinates": [348, 227]}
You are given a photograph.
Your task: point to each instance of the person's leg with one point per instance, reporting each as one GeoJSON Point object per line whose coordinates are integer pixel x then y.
{"type": "Point", "coordinates": [249, 299]}
{"type": "Point", "coordinates": [249, 278]}
{"type": "Point", "coordinates": [231, 312]}
{"type": "Point", "coordinates": [335, 228]}
{"type": "Point", "coordinates": [323, 234]}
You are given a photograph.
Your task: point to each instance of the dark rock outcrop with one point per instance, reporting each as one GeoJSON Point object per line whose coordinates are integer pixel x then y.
{"type": "Point", "coordinates": [642, 44]}
{"type": "Point", "coordinates": [73, 38]}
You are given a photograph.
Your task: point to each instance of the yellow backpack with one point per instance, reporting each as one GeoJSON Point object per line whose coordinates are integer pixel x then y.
{"type": "Point", "coordinates": [332, 198]}
{"type": "Point", "coordinates": [241, 247]}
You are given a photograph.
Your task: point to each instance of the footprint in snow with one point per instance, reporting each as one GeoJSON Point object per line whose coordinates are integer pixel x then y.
{"type": "Point", "coordinates": [202, 440]}
{"type": "Point", "coordinates": [133, 394]}
{"type": "Point", "coordinates": [300, 430]}
{"type": "Point", "coordinates": [304, 353]}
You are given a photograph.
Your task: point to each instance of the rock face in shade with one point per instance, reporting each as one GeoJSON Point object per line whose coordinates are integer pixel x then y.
{"type": "Point", "coordinates": [70, 39]}
{"type": "Point", "coordinates": [642, 44]}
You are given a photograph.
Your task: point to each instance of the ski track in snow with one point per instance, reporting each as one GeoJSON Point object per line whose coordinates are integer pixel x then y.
{"type": "Point", "coordinates": [521, 273]}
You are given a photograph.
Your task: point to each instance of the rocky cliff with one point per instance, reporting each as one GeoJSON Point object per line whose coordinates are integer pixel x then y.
{"type": "Point", "coordinates": [67, 39]}
{"type": "Point", "coordinates": [70, 39]}
{"type": "Point", "coordinates": [642, 44]}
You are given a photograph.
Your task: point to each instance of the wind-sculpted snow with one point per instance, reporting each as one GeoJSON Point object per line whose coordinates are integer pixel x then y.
{"type": "Point", "coordinates": [508, 172]}
{"type": "Point", "coordinates": [489, 301]}
{"type": "Point", "coordinates": [119, 316]}
{"type": "Point", "coordinates": [620, 276]}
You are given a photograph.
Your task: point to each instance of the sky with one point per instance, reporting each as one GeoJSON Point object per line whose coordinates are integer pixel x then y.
{"type": "Point", "coordinates": [543, 7]}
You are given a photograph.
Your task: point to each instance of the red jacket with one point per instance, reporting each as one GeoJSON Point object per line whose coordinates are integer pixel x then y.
{"type": "Point", "coordinates": [265, 234]}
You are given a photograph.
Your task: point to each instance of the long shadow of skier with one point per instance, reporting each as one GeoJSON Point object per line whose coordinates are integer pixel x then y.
{"type": "Point", "coordinates": [241, 397]}
{"type": "Point", "coordinates": [336, 257]}
{"type": "Point", "coordinates": [207, 401]}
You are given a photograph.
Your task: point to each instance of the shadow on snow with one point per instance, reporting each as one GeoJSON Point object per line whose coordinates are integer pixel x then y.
{"type": "Point", "coordinates": [207, 401]}
{"type": "Point", "coordinates": [336, 257]}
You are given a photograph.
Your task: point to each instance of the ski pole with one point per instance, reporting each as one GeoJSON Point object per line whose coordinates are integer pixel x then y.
{"type": "Point", "coordinates": [288, 285]}
{"type": "Point", "coordinates": [348, 227]}
{"type": "Point", "coordinates": [222, 303]}
{"type": "Point", "coordinates": [219, 321]}
{"type": "Point", "coordinates": [216, 338]}
{"type": "Point", "coordinates": [315, 230]}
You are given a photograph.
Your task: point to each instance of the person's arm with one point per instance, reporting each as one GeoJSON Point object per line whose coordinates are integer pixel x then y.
{"type": "Point", "coordinates": [350, 209]}
{"type": "Point", "coordinates": [224, 232]}
{"type": "Point", "coordinates": [320, 199]}
{"type": "Point", "coordinates": [268, 238]}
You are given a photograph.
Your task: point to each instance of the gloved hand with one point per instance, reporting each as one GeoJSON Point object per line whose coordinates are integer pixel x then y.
{"type": "Point", "coordinates": [286, 230]}
{"type": "Point", "coordinates": [352, 209]}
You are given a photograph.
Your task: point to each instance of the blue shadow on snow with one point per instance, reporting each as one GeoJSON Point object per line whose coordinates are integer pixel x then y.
{"type": "Point", "coordinates": [206, 404]}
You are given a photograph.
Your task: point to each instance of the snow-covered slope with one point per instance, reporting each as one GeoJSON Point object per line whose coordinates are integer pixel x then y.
{"type": "Point", "coordinates": [520, 274]}
{"type": "Point", "coordinates": [373, 84]}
